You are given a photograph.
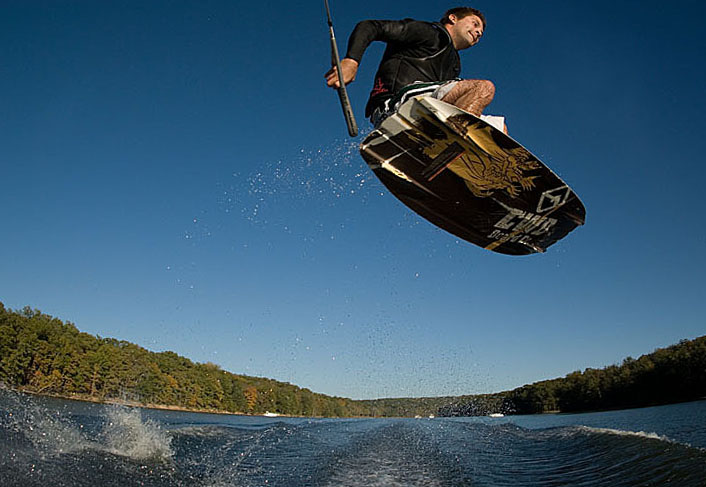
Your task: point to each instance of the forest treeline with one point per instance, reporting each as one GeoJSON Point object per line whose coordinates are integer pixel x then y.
{"type": "Point", "coordinates": [667, 375]}
{"type": "Point", "coordinates": [44, 355]}
{"type": "Point", "coordinates": [41, 354]}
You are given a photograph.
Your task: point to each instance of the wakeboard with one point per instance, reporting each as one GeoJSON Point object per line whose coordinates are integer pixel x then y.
{"type": "Point", "coordinates": [471, 179]}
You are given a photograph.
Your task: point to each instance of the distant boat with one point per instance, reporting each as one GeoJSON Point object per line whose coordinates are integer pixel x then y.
{"type": "Point", "coordinates": [496, 415]}
{"type": "Point", "coordinates": [431, 416]}
{"type": "Point", "coordinates": [270, 415]}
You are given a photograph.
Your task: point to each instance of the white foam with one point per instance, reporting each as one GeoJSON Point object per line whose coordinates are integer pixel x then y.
{"type": "Point", "coordinates": [126, 433]}
{"type": "Point", "coordinates": [641, 434]}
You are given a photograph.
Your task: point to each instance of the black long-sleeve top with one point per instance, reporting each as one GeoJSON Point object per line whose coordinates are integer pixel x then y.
{"type": "Point", "coordinates": [416, 51]}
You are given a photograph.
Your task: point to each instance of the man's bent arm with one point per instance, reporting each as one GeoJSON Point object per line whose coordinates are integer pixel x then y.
{"type": "Point", "coordinates": [392, 31]}
{"type": "Point", "coordinates": [406, 31]}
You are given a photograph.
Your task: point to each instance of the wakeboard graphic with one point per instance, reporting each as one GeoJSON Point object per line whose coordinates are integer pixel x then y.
{"type": "Point", "coordinates": [471, 179]}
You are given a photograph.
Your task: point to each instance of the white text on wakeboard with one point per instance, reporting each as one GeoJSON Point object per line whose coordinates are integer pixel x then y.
{"type": "Point", "coordinates": [518, 224]}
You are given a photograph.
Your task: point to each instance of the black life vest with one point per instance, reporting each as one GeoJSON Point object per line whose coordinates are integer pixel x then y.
{"type": "Point", "coordinates": [398, 69]}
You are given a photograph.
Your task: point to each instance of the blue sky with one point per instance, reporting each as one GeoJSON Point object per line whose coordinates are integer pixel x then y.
{"type": "Point", "coordinates": [177, 175]}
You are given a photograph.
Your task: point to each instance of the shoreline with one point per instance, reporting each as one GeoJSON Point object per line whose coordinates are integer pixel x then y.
{"type": "Point", "coordinates": [137, 404]}
{"type": "Point", "coordinates": [267, 414]}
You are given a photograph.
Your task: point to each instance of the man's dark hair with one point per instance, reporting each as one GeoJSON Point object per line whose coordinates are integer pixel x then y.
{"type": "Point", "coordinates": [462, 12]}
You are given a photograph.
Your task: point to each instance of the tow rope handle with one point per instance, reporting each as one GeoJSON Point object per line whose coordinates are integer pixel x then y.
{"type": "Point", "coordinates": [342, 93]}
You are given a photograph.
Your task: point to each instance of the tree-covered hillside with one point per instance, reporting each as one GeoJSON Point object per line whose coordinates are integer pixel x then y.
{"type": "Point", "coordinates": [44, 355]}
{"type": "Point", "coordinates": [667, 375]}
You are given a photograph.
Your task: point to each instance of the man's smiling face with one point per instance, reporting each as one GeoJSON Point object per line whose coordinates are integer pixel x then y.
{"type": "Point", "coordinates": [465, 32]}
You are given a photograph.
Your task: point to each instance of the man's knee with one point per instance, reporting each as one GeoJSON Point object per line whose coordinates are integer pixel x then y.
{"type": "Point", "coordinates": [487, 88]}
{"type": "Point", "coordinates": [482, 88]}
{"type": "Point", "coordinates": [472, 95]}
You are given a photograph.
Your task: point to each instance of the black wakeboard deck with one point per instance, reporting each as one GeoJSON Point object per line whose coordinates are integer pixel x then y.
{"type": "Point", "coordinates": [471, 179]}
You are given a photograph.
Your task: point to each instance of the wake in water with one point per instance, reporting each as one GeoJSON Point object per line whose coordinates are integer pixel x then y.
{"type": "Point", "coordinates": [91, 445]}
{"type": "Point", "coordinates": [43, 446]}
{"type": "Point", "coordinates": [121, 431]}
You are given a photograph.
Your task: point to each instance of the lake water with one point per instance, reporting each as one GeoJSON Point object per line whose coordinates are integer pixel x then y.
{"type": "Point", "coordinates": [50, 442]}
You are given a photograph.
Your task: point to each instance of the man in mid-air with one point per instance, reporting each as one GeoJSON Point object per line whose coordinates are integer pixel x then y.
{"type": "Point", "coordinates": [421, 58]}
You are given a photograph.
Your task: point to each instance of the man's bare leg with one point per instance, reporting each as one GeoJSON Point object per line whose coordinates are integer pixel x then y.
{"type": "Point", "coordinates": [471, 95]}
